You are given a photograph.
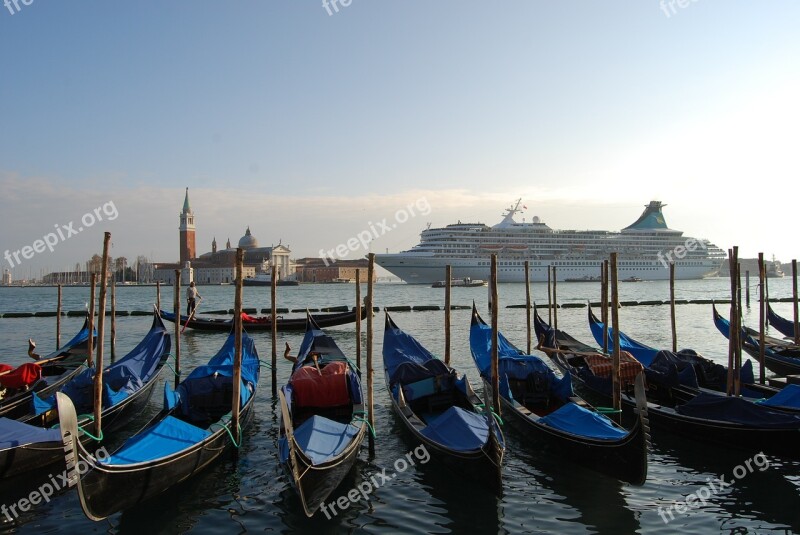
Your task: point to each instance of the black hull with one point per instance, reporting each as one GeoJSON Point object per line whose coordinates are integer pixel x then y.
{"type": "Point", "coordinates": [107, 490]}
{"type": "Point", "coordinates": [318, 482]}
{"type": "Point", "coordinates": [625, 459]}
{"type": "Point", "coordinates": [775, 365]}
{"type": "Point", "coordinates": [284, 324]}
{"type": "Point", "coordinates": [784, 442]}
{"type": "Point", "coordinates": [27, 458]}
{"type": "Point", "coordinates": [483, 466]}
{"type": "Point", "coordinates": [18, 406]}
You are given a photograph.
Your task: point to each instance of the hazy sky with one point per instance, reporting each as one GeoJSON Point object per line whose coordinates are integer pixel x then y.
{"type": "Point", "coordinates": [311, 127]}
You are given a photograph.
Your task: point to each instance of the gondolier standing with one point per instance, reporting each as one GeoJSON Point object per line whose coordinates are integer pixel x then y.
{"type": "Point", "coordinates": [191, 298]}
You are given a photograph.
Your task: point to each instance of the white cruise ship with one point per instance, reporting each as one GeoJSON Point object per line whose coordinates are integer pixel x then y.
{"type": "Point", "coordinates": [644, 251]}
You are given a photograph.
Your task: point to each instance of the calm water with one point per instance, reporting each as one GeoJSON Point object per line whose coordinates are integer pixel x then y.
{"type": "Point", "coordinates": [542, 491]}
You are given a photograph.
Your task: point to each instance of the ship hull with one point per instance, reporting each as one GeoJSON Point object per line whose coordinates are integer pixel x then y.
{"type": "Point", "coordinates": [422, 269]}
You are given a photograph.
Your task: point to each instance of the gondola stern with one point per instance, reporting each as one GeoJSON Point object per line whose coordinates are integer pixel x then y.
{"type": "Point", "coordinates": [74, 452]}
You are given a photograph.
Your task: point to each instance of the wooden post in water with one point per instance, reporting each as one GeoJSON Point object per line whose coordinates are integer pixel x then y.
{"type": "Point", "coordinates": [672, 306]}
{"type": "Point", "coordinates": [158, 296]}
{"type": "Point", "coordinates": [58, 320]}
{"type": "Point", "coordinates": [747, 286]}
{"type": "Point", "coordinates": [176, 308]}
{"type": "Point", "coordinates": [90, 341]}
{"type": "Point", "coordinates": [273, 292]}
{"type": "Point", "coordinates": [358, 318]}
{"type": "Point", "coordinates": [237, 344]}
{"type": "Point", "coordinates": [528, 303]}
{"type": "Point", "coordinates": [495, 358]}
{"type": "Point", "coordinates": [113, 320]}
{"type": "Point", "coordinates": [448, 273]}
{"type": "Point", "coordinates": [762, 313]}
{"type": "Point", "coordinates": [101, 321]}
{"type": "Point", "coordinates": [615, 362]}
{"type": "Point", "coordinates": [733, 330]}
{"type": "Point", "coordinates": [794, 301]}
{"type": "Point", "coordinates": [738, 377]}
{"type": "Point", "coordinates": [549, 298]}
{"type": "Point", "coordinates": [370, 371]}
{"type": "Point", "coordinates": [555, 299]}
{"type": "Point", "coordinates": [604, 304]}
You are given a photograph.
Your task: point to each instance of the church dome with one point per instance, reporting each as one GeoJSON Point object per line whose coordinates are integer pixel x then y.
{"type": "Point", "coordinates": [248, 241]}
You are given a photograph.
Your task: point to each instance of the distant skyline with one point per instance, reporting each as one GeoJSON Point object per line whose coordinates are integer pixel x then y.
{"type": "Point", "coordinates": [310, 127]}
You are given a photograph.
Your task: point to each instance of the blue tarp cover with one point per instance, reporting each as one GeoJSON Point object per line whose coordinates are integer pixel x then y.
{"type": "Point", "coordinates": [222, 364]}
{"type": "Point", "coordinates": [642, 353]}
{"type": "Point", "coordinates": [582, 422]}
{"type": "Point", "coordinates": [458, 429]}
{"type": "Point", "coordinates": [399, 349]}
{"type": "Point", "coordinates": [322, 439]}
{"type": "Point", "coordinates": [168, 436]}
{"type": "Point", "coordinates": [16, 433]}
{"type": "Point", "coordinates": [784, 326]}
{"type": "Point", "coordinates": [737, 410]}
{"type": "Point", "coordinates": [788, 397]}
{"type": "Point", "coordinates": [121, 379]}
{"type": "Point", "coordinates": [513, 363]}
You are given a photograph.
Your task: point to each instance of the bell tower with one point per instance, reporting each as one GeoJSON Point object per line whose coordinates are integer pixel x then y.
{"type": "Point", "coordinates": [188, 251]}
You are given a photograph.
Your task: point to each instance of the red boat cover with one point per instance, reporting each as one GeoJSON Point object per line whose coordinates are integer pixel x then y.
{"type": "Point", "coordinates": [246, 318]}
{"type": "Point", "coordinates": [23, 376]}
{"type": "Point", "coordinates": [327, 390]}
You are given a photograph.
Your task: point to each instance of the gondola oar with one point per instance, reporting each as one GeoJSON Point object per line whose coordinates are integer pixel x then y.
{"type": "Point", "coordinates": [189, 319]}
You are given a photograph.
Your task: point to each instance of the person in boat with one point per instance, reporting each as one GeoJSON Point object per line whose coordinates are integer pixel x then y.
{"type": "Point", "coordinates": [192, 295]}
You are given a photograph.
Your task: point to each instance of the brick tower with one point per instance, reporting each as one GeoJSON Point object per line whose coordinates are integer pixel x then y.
{"type": "Point", "coordinates": [187, 245]}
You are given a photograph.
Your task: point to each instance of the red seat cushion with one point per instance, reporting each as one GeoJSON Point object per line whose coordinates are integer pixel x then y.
{"type": "Point", "coordinates": [23, 376]}
{"type": "Point", "coordinates": [329, 389]}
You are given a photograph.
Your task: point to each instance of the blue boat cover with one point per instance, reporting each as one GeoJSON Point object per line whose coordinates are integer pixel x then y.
{"type": "Point", "coordinates": [788, 398]}
{"type": "Point", "coordinates": [172, 434]}
{"type": "Point", "coordinates": [458, 430]}
{"type": "Point", "coordinates": [168, 436]}
{"type": "Point", "coordinates": [317, 341]}
{"type": "Point", "coordinates": [16, 433]}
{"type": "Point", "coordinates": [642, 353]}
{"type": "Point", "coordinates": [784, 326]}
{"type": "Point", "coordinates": [322, 439]}
{"type": "Point", "coordinates": [582, 422]}
{"type": "Point", "coordinates": [513, 363]}
{"type": "Point", "coordinates": [739, 411]}
{"type": "Point", "coordinates": [79, 338]}
{"type": "Point", "coordinates": [222, 364]}
{"type": "Point", "coordinates": [121, 379]}
{"type": "Point", "coordinates": [400, 348]}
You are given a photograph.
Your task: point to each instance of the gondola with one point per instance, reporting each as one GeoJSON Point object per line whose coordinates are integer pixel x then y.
{"type": "Point", "coordinates": [730, 421]}
{"type": "Point", "coordinates": [264, 324]}
{"type": "Point", "coordinates": [62, 365]}
{"type": "Point", "coordinates": [127, 385]}
{"type": "Point", "coordinates": [685, 372]}
{"type": "Point", "coordinates": [192, 430]}
{"type": "Point", "coordinates": [323, 419]}
{"type": "Point", "coordinates": [544, 408]}
{"type": "Point", "coordinates": [441, 410]}
{"type": "Point", "coordinates": [780, 357]}
{"type": "Point", "coordinates": [784, 326]}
